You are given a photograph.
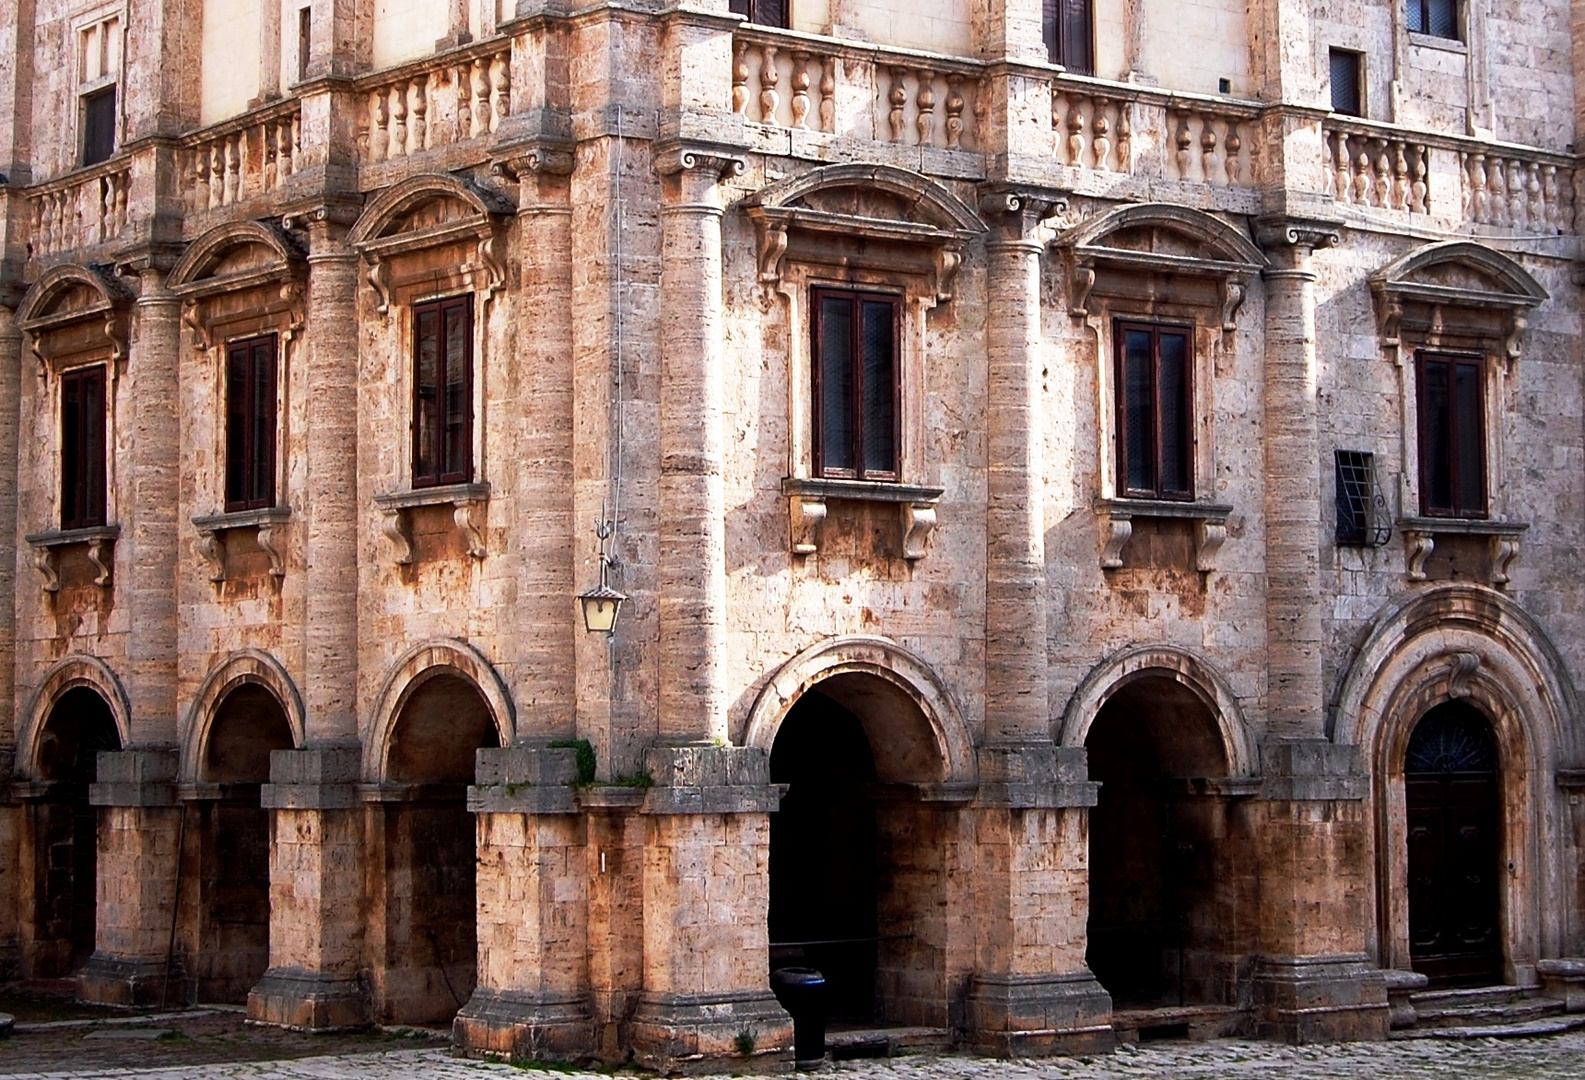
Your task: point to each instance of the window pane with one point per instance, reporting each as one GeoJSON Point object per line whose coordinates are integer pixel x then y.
{"type": "Point", "coordinates": [836, 383]}
{"type": "Point", "coordinates": [99, 126]}
{"type": "Point", "coordinates": [1345, 83]}
{"type": "Point", "coordinates": [1436, 448]}
{"type": "Point", "coordinates": [71, 451]}
{"type": "Point", "coordinates": [877, 384]}
{"type": "Point", "coordinates": [93, 423]}
{"type": "Point", "coordinates": [237, 424]}
{"type": "Point", "coordinates": [1417, 16]}
{"type": "Point", "coordinates": [1174, 403]}
{"type": "Point", "coordinates": [1442, 18]}
{"type": "Point", "coordinates": [1139, 421]}
{"type": "Point", "coordinates": [458, 406]}
{"type": "Point", "coordinates": [1467, 428]}
{"type": "Point", "coordinates": [1075, 36]}
{"type": "Point", "coordinates": [261, 491]}
{"type": "Point", "coordinates": [426, 397]}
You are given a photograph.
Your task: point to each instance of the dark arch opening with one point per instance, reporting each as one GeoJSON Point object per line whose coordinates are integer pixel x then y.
{"type": "Point", "coordinates": [230, 947]}
{"type": "Point", "coordinates": [65, 829]}
{"type": "Point", "coordinates": [430, 843]}
{"type": "Point", "coordinates": [1454, 817]}
{"type": "Point", "coordinates": [1166, 898]}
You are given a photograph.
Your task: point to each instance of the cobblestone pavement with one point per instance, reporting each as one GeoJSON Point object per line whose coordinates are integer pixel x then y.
{"type": "Point", "coordinates": [1551, 1058]}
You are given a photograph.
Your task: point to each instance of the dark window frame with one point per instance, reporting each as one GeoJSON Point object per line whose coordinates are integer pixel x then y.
{"type": "Point", "coordinates": [1121, 329]}
{"type": "Point", "coordinates": [1362, 518]}
{"type": "Point", "coordinates": [817, 295]}
{"type": "Point", "coordinates": [98, 126]}
{"type": "Point", "coordinates": [772, 13]}
{"type": "Point", "coordinates": [440, 476]}
{"type": "Point", "coordinates": [1419, 18]}
{"type": "Point", "coordinates": [1346, 106]}
{"type": "Point", "coordinates": [1063, 41]}
{"type": "Point", "coordinates": [260, 412]}
{"type": "Point", "coordinates": [1455, 436]}
{"type": "Point", "coordinates": [83, 448]}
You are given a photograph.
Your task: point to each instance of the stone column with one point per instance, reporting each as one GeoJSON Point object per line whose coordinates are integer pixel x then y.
{"type": "Point", "coordinates": [12, 813]}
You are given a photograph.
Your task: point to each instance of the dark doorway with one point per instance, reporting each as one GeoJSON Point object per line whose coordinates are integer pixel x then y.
{"type": "Point", "coordinates": [66, 831]}
{"type": "Point", "coordinates": [823, 854]}
{"type": "Point", "coordinates": [1162, 923]}
{"type": "Point", "coordinates": [233, 845]}
{"type": "Point", "coordinates": [1451, 788]}
{"type": "Point", "coordinates": [430, 943]}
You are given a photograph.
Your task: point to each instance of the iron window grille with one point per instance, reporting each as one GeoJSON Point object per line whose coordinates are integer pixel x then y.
{"type": "Point", "coordinates": [1069, 31]}
{"type": "Point", "coordinates": [1452, 436]}
{"type": "Point", "coordinates": [443, 392]}
{"type": "Point", "coordinates": [764, 12]}
{"type": "Point", "coordinates": [83, 448]}
{"type": "Point", "coordinates": [250, 424]}
{"type": "Point", "coordinates": [856, 336]}
{"type": "Point", "coordinates": [1155, 417]}
{"type": "Point", "coordinates": [1438, 18]}
{"type": "Point", "coordinates": [1362, 516]}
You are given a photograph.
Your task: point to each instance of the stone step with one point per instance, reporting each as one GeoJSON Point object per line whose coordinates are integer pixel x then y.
{"type": "Point", "coordinates": [844, 1043]}
{"type": "Point", "coordinates": [1555, 1025]}
{"type": "Point", "coordinates": [1470, 995]}
{"type": "Point", "coordinates": [1197, 1022]}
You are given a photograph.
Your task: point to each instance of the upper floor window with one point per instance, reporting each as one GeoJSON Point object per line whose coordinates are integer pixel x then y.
{"type": "Point", "coordinates": [1069, 29]}
{"type": "Point", "coordinates": [1439, 18]}
{"type": "Point", "coordinates": [443, 392]}
{"type": "Point", "coordinates": [98, 64]}
{"type": "Point", "coordinates": [1155, 421]}
{"type": "Point", "coordinates": [764, 12]}
{"type": "Point", "coordinates": [1452, 411]}
{"type": "Point", "coordinates": [1348, 95]}
{"type": "Point", "coordinates": [82, 448]}
{"type": "Point", "coordinates": [856, 338]}
{"type": "Point", "coordinates": [250, 424]}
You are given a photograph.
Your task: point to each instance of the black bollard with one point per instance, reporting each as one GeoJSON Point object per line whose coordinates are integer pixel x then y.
{"type": "Point", "coordinates": [802, 992]}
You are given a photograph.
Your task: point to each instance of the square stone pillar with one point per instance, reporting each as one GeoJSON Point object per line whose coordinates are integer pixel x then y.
{"type": "Point", "coordinates": [316, 893]}
{"type": "Point", "coordinates": [12, 883]}
{"type": "Point", "coordinates": [139, 835]}
{"type": "Point", "coordinates": [1314, 980]}
{"type": "Point", "coordinates": [1032, 993]}
{"type": "Point", "coordinates": [532, 998]}
{"type": "Point", "coordinates": [706, 1004]}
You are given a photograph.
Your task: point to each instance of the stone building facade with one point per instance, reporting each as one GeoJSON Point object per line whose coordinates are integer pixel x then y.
{"type": "Point", "coordinates": [1093, 534]}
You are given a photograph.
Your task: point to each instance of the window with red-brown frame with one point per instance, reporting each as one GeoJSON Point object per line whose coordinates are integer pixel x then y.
{"type": "Point", "coordinates": [764, 12]}
{"type": "Point", "coordinates": [250, 423]}
{"type": "Point", "coordinates": [82, 448]}
{"type": "Point", "coordinates": [1154, 380]}
{"type": "Point", "coordinates": [443, 392]}
{"type": "Point", "coordinates": [1069, 27]}
{"type": "Point", "coordinates": [857, 335]}
{"type": "Point", "coordinates": [1451, 403]}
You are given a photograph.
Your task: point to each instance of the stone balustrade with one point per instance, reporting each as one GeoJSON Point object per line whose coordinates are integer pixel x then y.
{"type": "Point", "coordinates": [1371, 166]}
{"type": "Point", "coordinates": [1514, 189]}
{"type": "Point", "coordinates": [81, 210]}
{"type": "Point", "coordinates": [1124, 129]}
{"type": "Point", "coordinates": [243, 158]}
{"type": "Point", "coordinates": [447, 99]}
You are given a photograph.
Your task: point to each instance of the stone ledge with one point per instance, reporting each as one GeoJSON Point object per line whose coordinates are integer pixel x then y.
{"type": "Point", "coordinates": [1035, 777]}
{"type": "Point", "coordinates": [143, 777]}
{"type": "Point", "coordinates": [1117, 526]}
{"type": "Point", "coordinates": [1311, 770]}
{"type": "Point", "coordinates": [806, 508]}
{"type": "Point", "coordinates": [318, 778]}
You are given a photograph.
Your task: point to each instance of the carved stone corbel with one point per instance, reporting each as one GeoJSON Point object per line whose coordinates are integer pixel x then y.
{"type": "Point", "coordinates": [1460, 672]}
{"type": "Point", "coordinates": [1510, 346]}
{"type": "Point", "coordinates": [1234, 292]}
{"type": "Point", "coordinates": [96, 555]}
{"type": "Point", "coordinates": [1504, 550]}
{"type": "Point", "coordinates": [1081, 281]}
{"type": "Point", "coordinates": [947, 260]}
{"type": "Point", "coordinates": [213, 549]}
{"type": "Point", "coordinates": [379, 276]}
{"type": "Point", "coordinates": [918, 522]}
{"type": "Point", "coordinates": [1209, 536]}
{"type": "Point", "coordinates": [270, 545]}
{"type": "Point", "coordinates": [771, 240]}
{"type": "Point", "coordinates": [1116, 530]}
{"type": "Point", "coordinates": [399, 533]}
{"type": "Point", "coordinates": [806, 515]}
{"type": "Point", "coordinates": [45, 562]}
{"type": "Point", "coordinates": [468, 515]}
{"type": "Point", "coordinates": [495, 271]}
{"type": "Point", "coordinates": [192, 319]}
{"type": "Point", "coordinates": [1418, 546]}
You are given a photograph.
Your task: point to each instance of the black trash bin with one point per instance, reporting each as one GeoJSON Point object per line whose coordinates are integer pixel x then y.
{"type": "Point", "coordinates": [802, 992]}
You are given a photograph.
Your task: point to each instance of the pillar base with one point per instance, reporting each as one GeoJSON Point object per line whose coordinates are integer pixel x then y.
{"type": "Point", "coordinates": [1039, 1015]}
{"type": "Point", "coordinates": [1565, 980]}
{"type": "Point", "coordinates": [704, 1033]}
{"type": "Point", "coordinates": [114, 980]}
{"type": "Point", "coordinates": [308, 1001]}
{"type": "Point", "coordinates": [1311, 999]}
{"type": "Point", "coordinates": [519, 1026]}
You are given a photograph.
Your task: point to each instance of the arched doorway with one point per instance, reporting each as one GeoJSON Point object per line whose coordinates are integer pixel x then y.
{"type": "Point", "coordinates": [430, 945]}
{"type": "Point", "coordinates": [858, 861]}
{"type": "Point", "coordinates": [1165, 900]}
{"type": "Point", "coordinates": [231, 949]}
{"type": "Point", "coordinates": [65, 831]}
{"type": "Point", "coordinates": [1451, 792]}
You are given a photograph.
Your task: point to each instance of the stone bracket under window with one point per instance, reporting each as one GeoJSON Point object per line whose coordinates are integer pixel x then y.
{"type": "Point", "coordinates": [213, 527]}
{"type": "Point", "coordinates": [806, 507]}
{"type": "Point", "coordinates": [1117, 526]}
{"type": "Point", "coordinates": [47, 552]}
{"type": "Point", "coordinates": [466, 500]}
{"type": "Point", "coordinates": [1419, 541]}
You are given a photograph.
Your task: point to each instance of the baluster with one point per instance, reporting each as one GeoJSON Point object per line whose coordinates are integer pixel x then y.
{"type": "Point", "coordinates": [954, 110]}
{"type": "Point", "coordinates": [1516, 193]}
{"type": "Point", "coordinates": [1381, 183]}
{"type": "Point", "coordinates": [102, 203]}
{"type": "Point", "coordinates": [828, 94]}
{"type": "Point", "coordinates": [982, 107]}
{"type": "Point", "coordinates": [1497, 192]}
{"type": "Point", "coordinates": [36, 233]}
{"type": "Point", "coordinates": [419, 110]}
{"type": "Point", "coordinates": [800, 90]}
{"type": "Point", "coordinates": [379, 141]}
{"type": "Point", "coordinates": [740, 77]}
{"type": "Point", "coordinates": [1342, 179]}
{"type": "Point", "coordinates": [1535, 211]}
{"type": "Point", "coordinates": [267, 172]}
{"type": "Point", "coordinates": [1125, 134]}
{"type": "Point", "coordinates": [898, 99]}
{"type": "Point", "coordinates": [285, 163]}
{"type": "Point", "coordinates": [200, 167]}
{"type": "Point", "coordinates": [1477, 183]}
{"type": "Point", "coordinates": [1101, 135]}
{"type": "Point", "coordinates": [926, 102]}
{"type": "Point", "coordinates": [1235, 147]}
{"type": "Point", "coordinates": [399, 147]}
{"type": "Point", "coordinates": [462, 84]}
{"type": "Point", "coordinates": [1549, 194]}
{"type": "Point", "coordinates": [233, 172]}
{"type": "Point", "coordinates": [119, 220]}
{"type": "Point", "coordinates": [1362, 174]}
{"type": "Point", "coordinates": [1185, 141]}
{"type": "Point", "coordinates": [1208, 151]}
{"type": "Point", "coordinates": [1466, 186]}
{"type": "Point", "coordinates": [1400, 177]}
{"type": "Point", "coordinates": [1076, 132]}
{"type": "Point", "coordinates": [296, 136]}
{"type": "Point", "coordinates": [1566, 203]}
{"type": "Point", "coordinates": [1419, 192]}
{"type": "Point", "coordinates": [479, 87]}
{"type": "Point", "coordinates": [1059, 102]}
{"type": "Point", "coordinates": [500, 88]}
{"type": "Point", "coordinates": [769, 99]}
{"type": "Point", "coordinates": [217, 175]}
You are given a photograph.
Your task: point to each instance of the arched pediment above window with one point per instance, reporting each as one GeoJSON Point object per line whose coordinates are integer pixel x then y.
{"type": "Point", "coordinates": [426, 213]}
{"type": "Point", "coordinates": [1457, 294]}
{"type": "Point", "coordinates": [838, 213]}
{"type": "Point", "coordinates": [73, 308]}
{"type": "Point", "coordinates": [231, 260]}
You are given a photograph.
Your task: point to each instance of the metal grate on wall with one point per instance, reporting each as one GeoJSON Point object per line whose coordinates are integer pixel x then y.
{"type": "Point", "coordinates": [1362, 518]}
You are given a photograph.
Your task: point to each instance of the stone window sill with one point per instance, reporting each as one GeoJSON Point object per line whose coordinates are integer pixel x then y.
{"type": "Point", "coordinates": [1117, 525]}
{"type": "Point", "coordinates": [47, 547]}
{"type": "Point", "coordinates": [806, 506]}
{"type": "Point", "coordinates": [213, 527]}
{"type": "Point", "coordinates": [1420, 533]}
{"type": "Point", "coordinates": [1432, 41]}
{"type": "Point", "coordinates": [467, 501]}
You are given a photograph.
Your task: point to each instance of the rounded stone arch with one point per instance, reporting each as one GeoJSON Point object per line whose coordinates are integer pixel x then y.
{"type": "Point", "coordinates": [1178, 665]}
{"type": "Point", "coordinates": [277, 255]}
{"type": "Point", "coordinates": [1510, 278]}
{"type": "Point", "coordinates": [77, 669]}
{"type": "Point", "coordinates": [418, 665]}
{"type": "Point", "coordinates": [901, 671]}
{"type": "Point", "coordinates": [1215, 238]}
{"type": "Point", "coordinates": [935, 203]}
{"type": "Point", "coordinates": [387, 209]}
{"type": "Point", "coordinates": [243, 667]}
{"type": "Point", "coordinates": [39, 302]}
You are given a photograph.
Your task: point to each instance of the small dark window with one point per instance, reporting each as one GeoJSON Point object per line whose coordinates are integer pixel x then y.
{"type": "Point", "coordinates": [83, 448]}
{"type": "Point", "coordinates": [250, 424]}
{"type": "Point", "coordinates": [855, 384]}
{"type": "Point", "coordinates": [1155, 418]}
{"type": "Point", "coordinates": [1361, 509]}
{"type": "Point", "coordinates": [443, 392]}
{"type": "Point", "coordinates": [1452, 435]}
{"type": "Point", "coordinates": [99, 125]}
{"type": "Point", "coordinates": [305, 40]}
{"type": "Point", "coordinates": [764, 12]}
{"type": "Point", "coordinates": [1069, 34]}
{"type": "Point", "coordinates": [1347, 96]}
{"type": "Point", "coordinates": [1439, 18]}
